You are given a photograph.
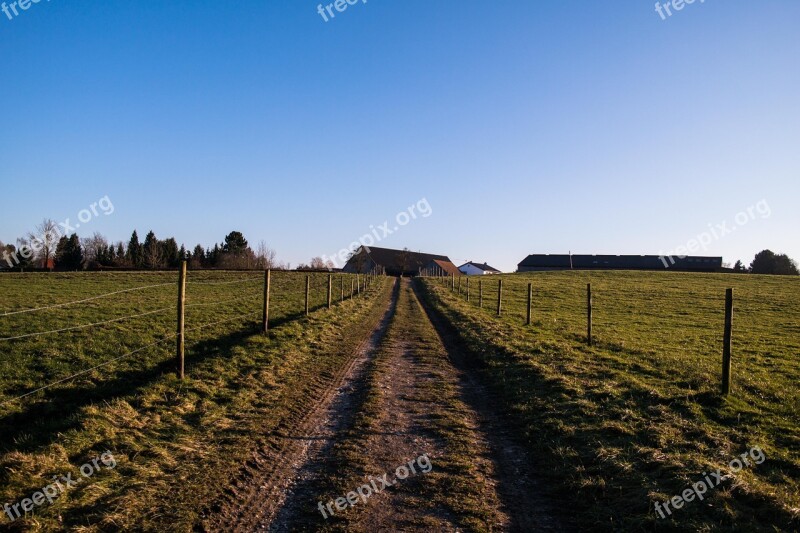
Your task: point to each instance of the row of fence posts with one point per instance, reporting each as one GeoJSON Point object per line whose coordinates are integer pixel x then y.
{"type": "Point", "coordinates": [358, 284]}
{"type": "Point", "coordinates": [727, 336]}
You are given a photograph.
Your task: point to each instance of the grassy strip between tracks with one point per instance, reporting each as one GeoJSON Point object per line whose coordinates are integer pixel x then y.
{"type": "Point", "coordinates": [454, 491]}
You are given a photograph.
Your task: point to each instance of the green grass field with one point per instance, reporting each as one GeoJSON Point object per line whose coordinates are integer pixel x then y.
{"type": "Point", "coordinates": [235, 299]}
{"type": "Point", "coordinates": [614, 428]}
{"type": "Point", "coordinates": [639, 417]}
{"type": "Point", "coordinates": [169, 437]}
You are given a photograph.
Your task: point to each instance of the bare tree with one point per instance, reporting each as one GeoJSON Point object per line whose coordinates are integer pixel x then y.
{"type": "Point", "coordinates": [153, 256]}
{"type": "Point", "coordinates": [93, 247]}
{"type": "Point", "coordinates": [43, 241]}
{"type": "Point", "coordinates": [265, 256]}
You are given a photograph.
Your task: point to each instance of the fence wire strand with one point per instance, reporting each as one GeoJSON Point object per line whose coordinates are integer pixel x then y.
{"type": "Point", "coordinates": [84, 326]}
{"type": "Point", "coordinates": [170, 337]}
{"type": "Point", "coordinates": [9, 313]}
{"type": "Point", "coordinates": [82, 372]}
{"type": "Point", "coordinates": [249, 280]}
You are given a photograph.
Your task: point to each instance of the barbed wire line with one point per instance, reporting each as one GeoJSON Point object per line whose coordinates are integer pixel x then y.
{"type": "Point", "coordinates": [9, 313]}
{"type": "Point", "coordinates": [82, 372]}
{"type": "Point", "coordinates": [84, 326]}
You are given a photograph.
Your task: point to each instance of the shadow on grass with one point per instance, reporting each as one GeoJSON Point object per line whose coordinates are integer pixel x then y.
{"type": "Point", "coordinates": [593, 463]}
{"type": "Point", "coordinates": [57, 410]}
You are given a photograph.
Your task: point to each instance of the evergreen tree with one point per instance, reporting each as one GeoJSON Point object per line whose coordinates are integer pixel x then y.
{"type": "Point", "coordinates": [60, 248]}
{"type": "Point", "coordinates": [170, 253]}
{"type": "Point", "coordinates": [198, 257]}
{"type": "Point", "coordinates": [235, 243]}
{"type": "Point", "coordinates": [134, 254]}
{"type": "Point", "coordinates": [213, 257]}
{"type": "Point", "coordinates": [121, 258]}
{"type": "Point", "coordinates": [69, 255]}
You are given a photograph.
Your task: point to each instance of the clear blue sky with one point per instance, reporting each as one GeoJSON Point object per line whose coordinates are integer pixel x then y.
{"type": "Point", "coordinates": [528, 126]}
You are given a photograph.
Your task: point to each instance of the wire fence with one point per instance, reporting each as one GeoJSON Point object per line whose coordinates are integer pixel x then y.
{"type": "Point", "coordinates": [679, 324]}
{"type": "Point", "coordinates": [44, 346]}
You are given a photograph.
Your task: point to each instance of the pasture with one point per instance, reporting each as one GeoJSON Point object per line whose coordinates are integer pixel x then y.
{"type": "Point", "coordinates": [169, 436]}
{"type": "Point", "coordinates": [638, 417]}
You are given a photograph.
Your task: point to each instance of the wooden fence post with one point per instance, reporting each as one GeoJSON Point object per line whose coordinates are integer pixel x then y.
{"type": "Point", "coordinates": [342, 279]}
{"type": "Point", "coordinates": [589, 314]}
{"type": "Point", "coordinates": [499, 297]}
{"type": "Point", "coordinates": [351, 287]}
{"type": "Point", "coordinates": [358, 284]}
{"type": "Point", "coordinates": [467, 289]}
{"type": "Point", "coordinates": [181, 321]}
{"type": "Point", "coordinates": [480, 294]}
{"type": "Point", "coordinates": [453, 276]}
{"type": "Point", "coordinates": [726, 343]}
{"type": "Point", "coordinates": [459, 285]}
{"type": "Point", "coordinates": [530, 301]}
{"type": "Point", "coordinates": [265, 317]}
{"type": "Point", "coordinates": [330, 290]}
{"type": "Point", "coordinates": [308, 289]}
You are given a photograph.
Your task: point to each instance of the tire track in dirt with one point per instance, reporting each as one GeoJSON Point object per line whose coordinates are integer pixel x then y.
{"type": "Point", "coordinates": [407, 392]}
{"type": "Point", "coordinates": [320, 434]}
{"type": "Point", "coordinates": [518, 481]}
{"type": "Point", "coordinates": [418, 388]}
{"type": "Point", "coordinates": [262, 492]}
{"type": "Point", "coordinates": [411, 404]}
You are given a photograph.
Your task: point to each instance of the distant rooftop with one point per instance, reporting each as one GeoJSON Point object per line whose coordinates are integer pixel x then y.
{"type": "Point", "coordinates": [621, 262]}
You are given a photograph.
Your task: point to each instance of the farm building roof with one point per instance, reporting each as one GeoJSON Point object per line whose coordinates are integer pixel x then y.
{"type": "Point", "coordinates": [395, 261]}
{"type": "Point", "coordinates": [448, 267]}
{"type": "Point", "coordinates": [621, 262]}
{"type": "Point", "coordinates": [482, 266]}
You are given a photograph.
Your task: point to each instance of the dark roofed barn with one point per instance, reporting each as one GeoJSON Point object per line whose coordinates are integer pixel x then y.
{"type": "Point", "coordinates": [542, 262]}
{"type": "Point", "coordinates": [391, 262]}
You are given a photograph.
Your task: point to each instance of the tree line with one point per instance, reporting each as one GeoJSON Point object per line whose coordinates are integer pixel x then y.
{"type": "Point", "coordinates": [768, 262]}
{"type": "Point", "coordinates": [47, 249]}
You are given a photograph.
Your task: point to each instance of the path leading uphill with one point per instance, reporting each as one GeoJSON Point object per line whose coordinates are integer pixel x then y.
{"type": "Point", "coordinates": [404, 440]}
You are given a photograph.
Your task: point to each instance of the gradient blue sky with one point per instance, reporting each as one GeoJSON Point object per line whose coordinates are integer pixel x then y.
{"type": "Point", "coordinates": [530, 127]}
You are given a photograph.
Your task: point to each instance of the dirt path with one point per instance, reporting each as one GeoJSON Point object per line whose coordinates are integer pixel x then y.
{"type": "Point", "coordinates": [268, 478]}
{"type": "Point", "coordinates": [406, 441]}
